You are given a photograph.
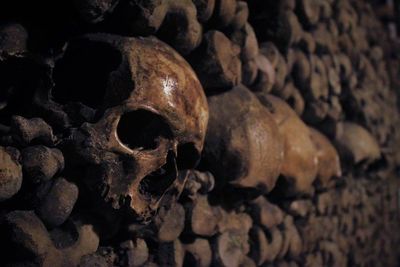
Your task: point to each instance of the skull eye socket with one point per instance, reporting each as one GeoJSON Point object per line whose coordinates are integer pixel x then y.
{"type": "Point", "coordinates": [142, 129]}
{"type": "Point", "coordinates": [82, 74]}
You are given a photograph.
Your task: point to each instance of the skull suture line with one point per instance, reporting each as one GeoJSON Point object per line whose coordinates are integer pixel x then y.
{"type": "Point", "coordinates": [150, 124]}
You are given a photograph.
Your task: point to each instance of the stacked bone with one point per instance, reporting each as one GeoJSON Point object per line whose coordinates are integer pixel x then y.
{"type": "Point", "coordinates": [299, 155]}
{"type": "Point", "coordinates": [340, 97]}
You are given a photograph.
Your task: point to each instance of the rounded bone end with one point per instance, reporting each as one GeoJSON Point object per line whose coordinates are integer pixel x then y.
{"type": "Point", "coordinates": [10, 175]}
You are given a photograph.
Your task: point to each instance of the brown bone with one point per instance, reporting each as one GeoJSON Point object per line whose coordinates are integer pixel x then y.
{"type": "Point", "coordinates": [199, 182]}
{"type": "Point", "coordinates": [200, 251]}
{"type": "Point", "coordinates": [171, 254]}
{"type": "Point", "coordinates": [275, 244]}
{"type": "Point", "coordinates": [205, 9]}
{"type": "Point", "coordinates": [224, 12]}
{"type": "Point", "coordinates": [231, 248]}
{"type": "Point", "coordinates": [328, 160]}
{"type": "Point", "coordinates": [27, 131]}
{"type": "Point", "coordinates": [243, 146]}
{"type": "Point", "coordinates": [41, 163]}
{"type": "Point", "coordinates": [293, 96]}
{"type": "Point", "coordinates": [246, 39]}
{"type": "Point", "coordinates": [203, 218]}
{"type": "Point", "coordinates": [139, 165]}
{"type": "Point", "coordinates": [241, 16]}
{"type": "Point", "coordinates": [300, 68]}
{"type": "Point", "coordinates": [57, 205]}
{"type": "Point", "coordinates": [217, 62]}
{"type": "Point", "coordinates": [10, 174]}
{"type": "Point", "coordinates": [156, 17]}
{"type": "Point", "coordinates": [30, 235]}
{"type": "Point", "coordinates": [137, 252]}
{"type": "Point", "coordinates": [259, 245]}
{"type": "Point", "coordinates": [265, 76]}
{"type": "Point", "coordinates": [170, 222]}
{"type": "Point", "coordinates": [309, 11]}
{"type": "Point", "coordinates": [292, 236]}
{"type": "Point", "coordinates": [300, 164]}
{"type": "Point", "coordinates": [265, 213]}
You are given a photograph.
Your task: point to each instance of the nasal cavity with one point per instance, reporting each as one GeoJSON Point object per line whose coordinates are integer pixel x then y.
{"type": "Point", "coordinates": [142, 129]}
{"type": "Point", "coordinates": [154, 185]}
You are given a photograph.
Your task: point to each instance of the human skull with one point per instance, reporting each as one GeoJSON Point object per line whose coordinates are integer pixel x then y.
{"type": "Point", "coordinates": [147, 125]}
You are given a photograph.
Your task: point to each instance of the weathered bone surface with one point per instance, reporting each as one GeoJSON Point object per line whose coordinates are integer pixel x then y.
{"type": "Point", "coordinates": [232, 246]}
{"type": "Point", "coordinates": [265, 75]}
{"type": "Point", "coordinates": [170, 222]}
{"type": "Point", "coordinates": [328, 159]}
{"type": "Point", "coordinates": [202, 217]}
{"type": "Point", "coordinates": [170, 113]}
{"type": "Point", "coordinates": [41, 163]}
{"type": "Point", "coordinates": [275, 244]}
{"type": "Point", "coordinates": [259, 249]}
{"type": "Point", "coordinates": [102, 131]}
{"type": "Point", "coordinates": [201, 252]}
{"type": "Point", "coordinates": [138, 252]}
{"type": "Point", "coordinates": [55, 208]}
{"type": "Point", "coordinates": [10, 174]}
{"type": "Point", "coordinates": [205, 9]}
{"type": "Point", "coordinates": [217, 62]}
{"type": "Point", "coordinates": [292, 238]}
{"type": "Point", "coordinates": [243, 146]}
{"type": "Point", "coordinates": [241, 16]}
{"type": "Point", "coordinates": [201, 182]}
{"type": "Point", "coordinates": [246, 39]}
{"type": "Point", "coordinates": [300, 164]}
{"type": "Point", "coordinates": [265, 213]}
{"type": "Point", "coordinates": [27, 131]}
{"type": "Point", "coordinates": [224, 12]}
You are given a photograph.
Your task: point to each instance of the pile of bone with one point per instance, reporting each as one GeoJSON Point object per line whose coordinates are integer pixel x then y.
{"type": "Point", "coordinates": [197, 133]}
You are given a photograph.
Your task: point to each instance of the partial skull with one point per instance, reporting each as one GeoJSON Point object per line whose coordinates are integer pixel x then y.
{"type": "Point", "coordinates": [243, 148]}
{"type": "Point", "coordinates": [300, 163]}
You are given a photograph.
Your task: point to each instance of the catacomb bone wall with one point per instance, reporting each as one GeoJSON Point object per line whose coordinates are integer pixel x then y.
{"type": "Point", "coordinates": [199, 133]}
